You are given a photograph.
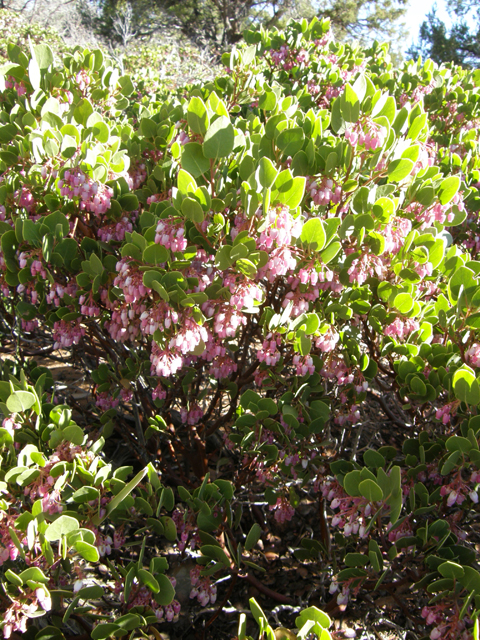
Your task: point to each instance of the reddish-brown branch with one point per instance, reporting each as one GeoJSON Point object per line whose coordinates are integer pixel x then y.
{"type": "Point", "coordinates": [224, 601]}
{"type": "Point", "coordinates": [278, 597]}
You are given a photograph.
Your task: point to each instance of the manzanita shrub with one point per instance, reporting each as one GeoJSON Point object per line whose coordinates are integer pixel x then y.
{"type": "Point", "coordinates": [16, 28]}
{"type": "Point", "coordinates": [249, 269]}
{"type": "Point", "coordinates": [170, 64]}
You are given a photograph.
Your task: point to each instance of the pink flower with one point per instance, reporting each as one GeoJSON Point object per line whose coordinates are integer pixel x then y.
{"type": "Point", "coordinates": [283, 510]}
{"type": "Point", "coordinates": [472, 356]}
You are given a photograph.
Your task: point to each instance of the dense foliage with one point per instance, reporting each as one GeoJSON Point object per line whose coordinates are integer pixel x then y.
{"type": "Point", "coordinates": [249, 271]}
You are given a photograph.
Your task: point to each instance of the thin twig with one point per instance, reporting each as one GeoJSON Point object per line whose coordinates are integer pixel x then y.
{"type": "Point", "coordinates": [266, 591]}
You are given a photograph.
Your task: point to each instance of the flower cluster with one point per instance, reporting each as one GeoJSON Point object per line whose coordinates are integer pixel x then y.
{"type": "Point", "coordinates": [325, 191]}
{"type": "Point", "coordinates": [115, 230]}
{"type": "Point", "coordinates": [283, 510]}
{"type": "Point", "coordinates": [170, 233]}
{"type": "Point", "coordinates": [368, 134]}
{"type": "Point", "coordinates": [94, 197]}
{"type": "Point", "coordinates": [401, 328]}
{"type": "Point", "coordinates": [202, 588]}
{"type": "Point", "coordinates": [67, 333]}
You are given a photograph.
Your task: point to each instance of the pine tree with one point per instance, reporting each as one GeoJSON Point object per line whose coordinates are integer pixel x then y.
{"type": "Point", "coordinates": [223, 21]}
{"type": "Point", "coordinates": [460, 44]}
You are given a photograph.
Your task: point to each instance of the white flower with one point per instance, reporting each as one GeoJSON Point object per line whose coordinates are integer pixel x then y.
{"type": "Point", "coordinates": [44, 598]}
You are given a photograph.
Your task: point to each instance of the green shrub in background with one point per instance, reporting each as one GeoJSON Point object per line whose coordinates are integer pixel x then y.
{"type": "Point", "coordinates": [247, 266]}
{"type": "Point", "coordinates": [15, 29]}
{"type": "Point", "coordinates": [170, 65]}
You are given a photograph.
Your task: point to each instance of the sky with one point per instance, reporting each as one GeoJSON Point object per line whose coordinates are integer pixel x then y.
{"type": "Point", "coordinates": [417, 13]}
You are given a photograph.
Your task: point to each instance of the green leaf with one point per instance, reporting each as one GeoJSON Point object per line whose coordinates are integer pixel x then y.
{"type": "Point", "coordinates": [170, 529]}
{"type": "Point", "coordinates": [69, 146]}
{"type": "Point", "coordinates": [313, 234]}
{"type": "Point", "coordinates": [290, 141]}
{"type": "Point", "coordinates": [288, 190]}
{"type": "Point", "coordinates": [167, 591]}
{"type": "Point", "coordinates": [88, 551]}
{"type": "Point", "coordinates": [197, 116]}
{"type": "Point", "coordinates": [43, 55]}
{"type": "Point", "coordinates": [465, 385]}
{"type": "Point", "coordinates": [155, 254]}
{"type": "Point", "coordinates": [222, 257]}
{"type": "Point", "coordinates": [73, 434]}
{"type": "Point", "coordinates": [305, 344]}
{"type": "Point", "coordinates": [51, 147]}
{"type": "Point", "coordinates": [471, 580]}
{"type": "Point", "coordinates": [312, 322]}
{"type": "Point", "coordinates": [148, 128]}
{"type": "Point", "coordinates": [35, 574]}
{"type": "Point", "coordinates": [337, 122]}
{"type": "Point", "coordinates": [152, 280]}
{"type": "Point", "coordinates": [385, 107]}
{"type": "Point", "coordinates": [425, 195]}
{"type": "Point", "coordinates": [321, 619]}
{"type": "Point", "coordinates": [448, 189]}
{"type": "Point", "coordinates": [219, 139]}
{"type": "Point", "coordinates": [130, 621]}
{"type": "Point", "coordinates": [450, 463]}
{"type": "Point", "coordinates": [53, 220]}
{"type": "Point", "coordinates": [351, 483]}
{"type": "Point", "coordinates": [370, 490]}
{"type": "Point", "coordinates": [462, 278]}
{"type": "Point", "coordinates": [104, 630]}
{"type": "Point", "coordinates": [399, 169]}
{"type": "Point", "coordinates": [373, 459]}
{"type": "Point", "coordinates": [257, 612]}
{"type": "Point", "coordinates": [8, 132]}
{"type": "Point", "coordinates": [267, 101]}
{"type": "Point", "coordinates": [20, 401]}
{"type": "Point", "coordinates": [247, 267]}
{"type": "Point", "coordinates": [127, 85]}
{"type": "Point", "coordinates": [226, 488]}
{"type": "Point", "coordinates": [457, 443]}
{"type": "Point", "coordinates": [83, 111]}
{"type": "Point", "coordinates": [185, 182]}
{"type": "Point", "coordinates": [253, 536]}
{"type": "Point", "coordinates": [417, 126]}
{"type": "Point", "coordinates": [60, 527]}
{"type": "Point", "coordinates": [451, 570]}
{"type": "Point", "coordinates": [266, 172]}
{"type": "Point", "coordinates": [148, 580]}
{"type": "Point", "coordinates": [356, 560]}
{"type": "Point", "coordinates": [101, 131]}
{"type": "Point", "coordinates": [85, 494]}
{"type": "Point", "coordinates": [214, 552]}
{"type": "Point", "coordinates": [120, 497]}
{"type": "Point", "coordinates": [194, 160]}
{"type": "Point", "coordinates": [383, 209]}
{"type": "Point", "coordinates": [349, 104]}
{"type": "Point", "coordinates": [330, 252]}
{"type": "Point", "coordinates": [436, 252]}
{"type": "Point", "coordinates": [473, 321]}
{"type": "Point", "coordinates": [192, 210]}
{"type": "Point", "coordinates": [129, 202]}
{"type": "Point", "coordinates": [403, 302]}
{"type": "Point", "coordinates": [13, 578]}
{"type": "Point", "coordinates": [360, 87]}
{"type": "Point", "coordinates": [93, 592]}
